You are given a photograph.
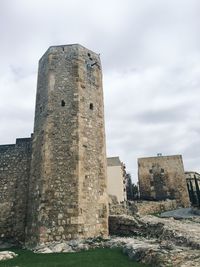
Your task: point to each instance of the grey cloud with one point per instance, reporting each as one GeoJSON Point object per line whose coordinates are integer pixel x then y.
{"type": "Point", "coordinates": [15, 115]}
{"type": "Point", "coordinates": [172, 115]}
{"type": "Point", "coordinates": [151, 63]}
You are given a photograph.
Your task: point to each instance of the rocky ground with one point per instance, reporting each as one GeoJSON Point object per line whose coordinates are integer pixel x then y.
{"type": "Point", "coordinates": [162, 242]}
{"type": "Point", "coordinates": [149, 239]}
{"type": "Point", "coordinates": [7, 255]}
{"type": "Point", "coordinates": [156, 241]}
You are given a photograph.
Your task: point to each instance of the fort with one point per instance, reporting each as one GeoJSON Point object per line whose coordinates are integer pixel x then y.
{"type": "Point", "coordinates": [54, 188]}
{"type": "Point", "coordinates": [54, 184]}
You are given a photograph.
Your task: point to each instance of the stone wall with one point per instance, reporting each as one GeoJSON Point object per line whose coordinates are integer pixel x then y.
{"type": "Point", "coordinates": [140, 207]}
{"type": "Point", "coordinates": [124, 225]}
{"type": "Point", "coordinates": [120, 208]}
{"type": "Point", "coordinates": [68, 183]}
{"type": "Point", "coordinates": [151, 207]}
{"type": "Point", "coordinates": [162, 178]}
{"type": "Point", "coordinates": [14, 174]}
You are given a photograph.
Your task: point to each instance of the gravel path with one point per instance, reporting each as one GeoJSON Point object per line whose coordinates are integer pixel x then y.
{"type": "Point", "coordinates": [184, 213]}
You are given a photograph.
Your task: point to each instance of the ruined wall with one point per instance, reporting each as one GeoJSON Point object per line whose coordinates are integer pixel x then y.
{"type": "Point", "coordinates": [163, 178]}
{"type": "Point", "coordinates": [140, 207]}
{"type": "Point", "coordinates": [151, 207]}
{"type": "Point", "coordinates": [68, 183]}
{"type": "Point", "coordinates": [14, 175]}
{"type": "Point", "coordinates": [125, 225]}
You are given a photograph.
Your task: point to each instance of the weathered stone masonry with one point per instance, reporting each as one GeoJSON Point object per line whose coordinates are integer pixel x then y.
{"type": "Point", "coordinates": [67, 196]}
{"type": "Point", "coordinates": [14, 175]}
{"type": "Point", "coordinates": [162, 178]}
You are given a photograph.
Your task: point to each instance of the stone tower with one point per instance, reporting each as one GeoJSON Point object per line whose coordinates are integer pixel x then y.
{"type": "Point", "coordinates": [162, 178]}
{"type": "Point", "coordinates": [68, 186]}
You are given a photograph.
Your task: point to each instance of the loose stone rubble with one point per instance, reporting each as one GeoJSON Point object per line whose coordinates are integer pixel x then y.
{"type": "Point", "coordinates": [149, 239]}
{"type": "Point", "coordinates": [149, 251]}
{"type": "Point", "coordinates": [7, 255]}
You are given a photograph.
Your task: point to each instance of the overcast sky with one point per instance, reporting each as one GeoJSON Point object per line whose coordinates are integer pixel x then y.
{"type": "Point", "coordinates": [150, 52]}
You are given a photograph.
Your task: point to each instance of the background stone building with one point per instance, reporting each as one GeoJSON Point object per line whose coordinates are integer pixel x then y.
{"type": "Point", "coordinates": [55, 184]}
{"type": "Point", "coordinates": [162, 178]}
{"type": "Point", "coordinates": [116, 178]}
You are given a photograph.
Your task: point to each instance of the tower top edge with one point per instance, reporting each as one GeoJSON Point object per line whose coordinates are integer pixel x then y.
{"type": "Point", "coordinates": [160, 157]}
{"type": "Point", "coordinates": [75, 45]}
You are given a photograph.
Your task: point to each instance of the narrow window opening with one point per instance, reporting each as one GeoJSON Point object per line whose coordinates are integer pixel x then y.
{"type": "Point", "coordinates": [62, 103]}
{"type": "Point", "coordinates": [91, 106]}
{"type": "Point", "coordinates": [89, 55]}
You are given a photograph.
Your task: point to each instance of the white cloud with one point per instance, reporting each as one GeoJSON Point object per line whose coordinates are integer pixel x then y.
{"type": "Point", "coordinates": [150, 52]}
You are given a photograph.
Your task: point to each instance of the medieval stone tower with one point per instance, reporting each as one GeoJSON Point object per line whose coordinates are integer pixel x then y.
{"type": "Point", "coordinates": [67, 196]}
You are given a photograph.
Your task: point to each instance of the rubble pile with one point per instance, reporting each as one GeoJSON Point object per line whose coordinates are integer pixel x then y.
{"type": "Point", "coordinates": [148, 239]}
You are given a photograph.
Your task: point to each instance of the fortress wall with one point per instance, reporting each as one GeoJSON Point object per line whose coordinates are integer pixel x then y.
{"type": "Point", "coordinates": [14, 174]}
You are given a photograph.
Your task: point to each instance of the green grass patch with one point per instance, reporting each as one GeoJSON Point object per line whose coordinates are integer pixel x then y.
{"type": "Point", "coordinates": [102, 257]}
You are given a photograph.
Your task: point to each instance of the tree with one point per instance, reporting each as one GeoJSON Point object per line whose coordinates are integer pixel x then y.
{"type": "Point", "coordinates": [193, 197]}
{"type": "Point", "coordinates": [197, 190]}
{"type": "Point", "coordinates": [135, 191]}
{"type": "Point", "coordinates": [189, 192]}
{"type": "Point", "coordinates": [129, 188]}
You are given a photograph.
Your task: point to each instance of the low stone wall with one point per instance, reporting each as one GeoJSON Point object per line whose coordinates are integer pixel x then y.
{"type": "Point", "coordinates": [180, 232]}
{"type": "Point", "coordinates": [123, 208]}
{"type": "Point", "coordinates": [117, 209]}
{"type": "Point", "coordinates": [141, 207]}
{"type": "Point", "coordinates": [151, 207]}
{"type": "Point", "coordinates": [123, 225]}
